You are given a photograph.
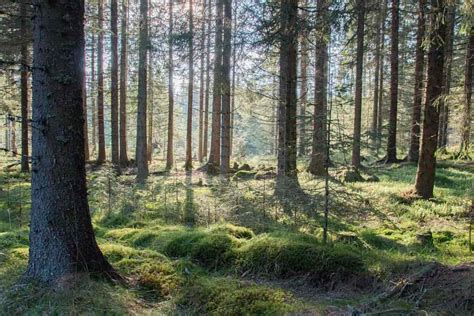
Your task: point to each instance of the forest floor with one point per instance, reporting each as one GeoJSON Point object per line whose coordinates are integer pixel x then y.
{"type": "Point", "coordinates": [192, 244]}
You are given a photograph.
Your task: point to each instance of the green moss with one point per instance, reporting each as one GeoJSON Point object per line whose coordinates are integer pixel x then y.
{"type": "Point", "coordinates": [13, 239]}
{"type": "Point", "coordinates": [236, 231]}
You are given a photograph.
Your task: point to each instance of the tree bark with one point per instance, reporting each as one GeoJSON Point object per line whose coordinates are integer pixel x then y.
{"type": "Point", "coordinates": [319, 150]}
{"type": "Point", "coordinates": [62, 240]}
{"type": "Point", "coordinates": [413, 152]}
{"type": "Point", "coordinates": [466, 118]}
{"type": "Point", "coordinates": [84, 110]}
{"type": "Point", "coordinates": [208, 80]}
{"type": "Point", "coordinates": [93, 97]}
{"type": "Point", "coordinates": [114, 98]}
{"type": "Point", "coordinates": [25, 167]}
{"type": "Point", "coordinates": [201, 83]}
{"type": "Point", "coordinates": [375, 107]}
{"type": "Point", "coordinates": [151, 106]}
{"type": "Point", "coordinates": [100, 84]}
{"type": "Point", "coordinates": [189, 131]}
{"type": "Point", "coordinates": [425, 175]}
{"type": "Point", "coordinates": [170, 145]}
{"type": "Point", "coordinates": [226, 92]}
{"type": "Point", "coordinates": [358, 83]}
{"type": "Point", "coordinates": [123, 83]}
{"type": "Point", "coordinates": [214, 156]}
{"type": "Point", "coordinates": [141, 147]}
{"type": "Point", "coordinates": [304, 83]}
{"type": "Point", "coordinates": [381, 83]}
{"type": "Point", "coordinates": [392, 127]}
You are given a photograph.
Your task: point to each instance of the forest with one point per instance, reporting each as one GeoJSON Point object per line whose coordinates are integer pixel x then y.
{"type": "Point", "coordinates": [219, 157]}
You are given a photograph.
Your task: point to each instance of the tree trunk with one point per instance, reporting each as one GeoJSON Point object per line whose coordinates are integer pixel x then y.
{"type": "Point", "coordinates": [114, 81]}
{"type": "Point", "coordinates": [25, 167]}
{"type": "Point", "coordinates": [84, 110]}
{"type": "Point", "coordinates": [448, 55]}
{"type": "Point", "coordinates": [381, 83]}
{"type": "Point", "coordinates": [425, 175]}
{"type": "Point", "coordinates": [93, 98]}
{"type": "Point", "coordinates": [208, 80]}
{"type": "Point", "coordinates": [226, 97]}
{"type": "Point", "coordinates": [123, 84]}
{"type": "Point", "coordinates": [100, 84]}
{"type": "Point", "coordinates": [214, 156]}
{"type": "Point", "coordinates": [466, 118]}
{"type": "Point", "coordinates": [288, 99]}
{"type": "Point", "coordinates": [151, 106]}
{"type": "Point", "coordinates": [413, 152]}
{"type": "Point", "coordinates": [358, 83]}
{"type": "Point", "coordinates": [375, 107]}
{"type": "Point", "coordinates": [141, 147]}
{"type": "Point", "coordinates": [62, 240]}
{"type": "Point", "coordinates": [392, 127]}
{"type": "Point", "coordinates": [170, 146]}
{"type": "Point", "coordinates": [189, 131]}
{"type": "Point", "coordinates": [304, 83]}
{"type": "Point", "coordinates": [201, 83]}
{"type": "Point", "coordinates": [234, 75]}
{"type": "Point", "coordinates": [319, 150]}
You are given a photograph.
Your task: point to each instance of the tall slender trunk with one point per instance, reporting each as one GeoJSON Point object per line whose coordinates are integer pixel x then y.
{"type": "Point", "coordinates": [304, 84]}
{"type": "Point", "coordinates": [234, 76]}
{"type": "Point", "coordinates": [466, 117]}
{"type": "Point", "coordinates": [100, 83]}
{"type": "Point", "coordinates": [413, 152]}
{"type": "Point", "coordinates": [425, 175]}
{"type": "Point", "coordinates": [170, 146]}
{"type": "Point", "coordinates": [358, 82]}
{"type": "Point", "coordinates": [62, 241]}
{"type": "Point", "coordinates": [381, 83]}
{"type": "Point", "coordinates": [151, 106]}
{"type": "Point", "coordinates": [123, 83]}
{"type": "Point", "coordinates": [208, 80]}
{"type": "Point", "coordinates": [25, 167]}
{"type": "Point", "coordinates": [114, 100]}
{"type": "Point", "coordinates": [141, 147]}
{"type": "Point", "coordinates": [201, 83]}
{"type": "Point", "coordinates": [214, 155]}
{"type": "Point", "coordinates": [448, 56]}
{"type": "Point", "coordinates": [375, 106]}
{"type": "Point", "coordinates": [93, 98]}
{"type": "Point", "coordinates": [319, 151]}
{"type": "Point", "coordinates": [84, 110]}
{"type": "Point", "coordinates": [288, 81]}
{"type": "Point", "coordinates": [189, 131]}
{"type": "Point", "coordinates": [392, 127]}
{"type": "Point", "coordinates": [226, 92]}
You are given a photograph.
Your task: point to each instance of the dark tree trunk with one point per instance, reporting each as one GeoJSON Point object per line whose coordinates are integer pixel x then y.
{"type": "Point", "coordinates": [100, 84]}
{"type": "Point", "coordinates": [375, 107]}
{"type": "Point", "coordinates": [319, 150]}
{"type": "Point", "coordinates": [25, 167]}
{"type": "Point", "coordinates": [208, 80]}
{"type": "Point", "coordinates": [84, 110]}
{"type": "Point", "coordinates": [170, 146]}
{"type": "Point", "coordinates": [413, 152]}
{"type": "Point", "coordinates": [226, 97]}
{"type": "Point", "coordinates": [358, 82]}
{"type": "Point", "coordinates": [93, 98]}
{"type": "Point", "coordinates": [466, 117]}
{"type": "Point", "coordinates": [304, 84]}
{"type": "Point", "coordinates": [62, 240]}
{"type": "Point", "coordinates": [288, 99]}
{"type": "Point", "coordinates": [123, 83]}
{"type": "Point", "coordinates": [201, 83]}
{"type": "Point", "coordinates": [392, 125]}
{"type": "Point", "coordinates": [189, 130]}
{"type": "Point", "coordinates": [214, 156]}
{"type": "Point", "coordinates": [114, 80]}
{"type": "Point", "coordinates": [141, 147]}
{"type": "Point", "coordinates": [425, 175]}
{"type": "Point", "coordinates": [381, 83]}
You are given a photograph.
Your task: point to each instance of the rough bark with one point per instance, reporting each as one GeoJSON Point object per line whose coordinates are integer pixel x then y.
{"type": "Point", "coordinates": [114, 98]}
{"type": "Point", "coordinates": [413, 152]}
{"type": "Point", "coordinates": [25, 167]}
{"type": "Point", "coordinates": [319, 150]}
{"type": "Point", "coordinates": [170, 145]}
{"type": "Point", "coordinates": [358, 83]}
{"type": "Point", "coordinates": [141, 147]}
{"type": "Point", "coordinates": [226, 92]}
{"type": "Point", "coordinates": [100, 84]}
{"type": "Point", "coordinates": [189, 130]}
{"type": "Point", "coordinates": [62, 240]}
{"type": "Point", "coordinates": [123, 83]}
{"type": "Point", "coordinates": [466, 117]}
{"type": "Point", "coordinates": [214, 155]}
{"type": "Point", "coordinates": [392, 125]}
{"type": "Point", "coordinates": [304, 83]}
{"type": "Point", "coordinates": [425, 175]}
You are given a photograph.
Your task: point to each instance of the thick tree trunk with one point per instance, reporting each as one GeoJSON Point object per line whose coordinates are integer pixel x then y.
{"type": "Point", "coordinates": [170, 145]}
{"type": "Point", "coordinates": [319, 150]}
{"type": "Point", "coordinates": [358, 83]}
{"type": "Point", "coordinates": [62, 240]}
{"type": "Point", "coordinates": [466, 117]}
{"type": "Point", "coordinates": [141, 147]}
{"type": "Point", "coordinates": [201, 83]}
{"type": "Point", "coordinates": [114, 101]}
{"type": "Point", "coordinates": [100, 84]}
{"type": "Point", "coordinates": [413, 152]}
{"type": "Point", "coordinates": [214, 155]}
{"type": "Point", "coordinates": [375, 107]}
{"type": "Point", "coordinates": [208, 80]}
{"type": "Point", "coordinates": [304, 84]}
{"type": "Point", "coordinates": [425, 175]}
{"type": "Point", "coordinates": [25, 167]}
{"type": "Point", "coordinates": [189, 130]}
{"type": "Point", "coordinates": [226, 92]}
{"type": "Point", "coordinates": [123, 83]}
{"type": "Point", "coordinates": [288, 84]}
{"type": "Point", "coordinates": [392, 126]}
